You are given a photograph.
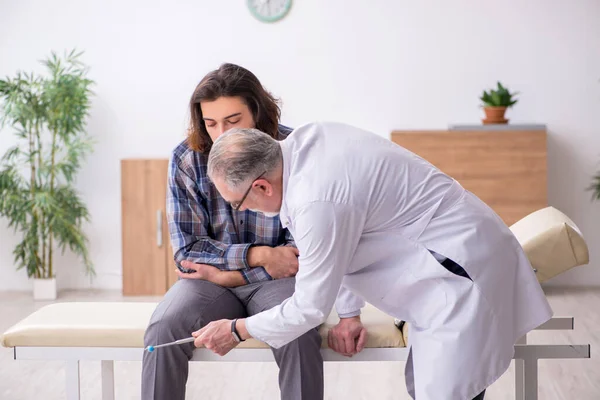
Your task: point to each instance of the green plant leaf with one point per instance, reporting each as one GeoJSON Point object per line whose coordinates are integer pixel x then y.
{"type": "Point", "coordinates": [594, 187]}
{"type": "Point", "coordinates": [496, 99]}
{"type": "Point", "coordinates": [499, 97]}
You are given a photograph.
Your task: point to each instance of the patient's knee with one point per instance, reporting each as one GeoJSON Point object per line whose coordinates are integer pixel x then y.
{"type": "Point", "coordinates": [164, 326]}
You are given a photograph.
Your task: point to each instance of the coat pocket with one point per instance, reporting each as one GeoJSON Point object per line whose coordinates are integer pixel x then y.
{"type": "Point", "coordinates": [455, 269]}
{"type": "Point", "coordinates": [420, 300]}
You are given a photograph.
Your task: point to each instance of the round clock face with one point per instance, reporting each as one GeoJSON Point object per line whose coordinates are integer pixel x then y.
{"type": "Point", "coordinates": [269, 10]}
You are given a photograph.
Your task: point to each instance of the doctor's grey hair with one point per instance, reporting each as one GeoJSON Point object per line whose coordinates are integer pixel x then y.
{"type": "Point", "coordinates": [239, 156]}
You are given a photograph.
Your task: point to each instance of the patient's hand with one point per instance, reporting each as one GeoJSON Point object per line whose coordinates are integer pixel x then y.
{"type": "Point", "coordinates": [212, 274]}
{"type": "Point", "coordinates": [281, 262]}
{"type": "Point", "coordinates": [348, 337]}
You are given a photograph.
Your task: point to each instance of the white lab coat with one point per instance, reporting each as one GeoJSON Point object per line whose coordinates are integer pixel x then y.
{"type": "Point", "coordinates": [365, 213]}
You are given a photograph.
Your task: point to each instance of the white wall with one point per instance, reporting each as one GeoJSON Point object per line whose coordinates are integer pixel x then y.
{"type": "Point", "coordinates": [381, 64]}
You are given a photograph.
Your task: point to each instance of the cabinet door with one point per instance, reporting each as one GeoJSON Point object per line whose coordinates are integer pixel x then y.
{"type": "Point", "coordinates": [145, 240]}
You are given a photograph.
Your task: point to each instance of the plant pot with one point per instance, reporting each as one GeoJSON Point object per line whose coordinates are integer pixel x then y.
{"type": "Point", "coordinates": [44, 289]}
{"type": "Point", "coordinates": [494, 115]}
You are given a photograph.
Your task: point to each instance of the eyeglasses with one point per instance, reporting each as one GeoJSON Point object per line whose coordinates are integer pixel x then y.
{"type": "Point", "coordinates": [237, 206]}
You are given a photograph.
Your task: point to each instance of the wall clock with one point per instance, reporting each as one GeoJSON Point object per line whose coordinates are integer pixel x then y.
{"type": "Point", "coordinates": [269, 10]}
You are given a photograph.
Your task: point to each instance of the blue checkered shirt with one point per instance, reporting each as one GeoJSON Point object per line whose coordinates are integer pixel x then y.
{"type": "Point", "coordinates": [203, 226]}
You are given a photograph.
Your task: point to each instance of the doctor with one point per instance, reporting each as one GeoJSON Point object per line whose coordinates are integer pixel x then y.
{"type": "Point", "coordinates": [374, 222]}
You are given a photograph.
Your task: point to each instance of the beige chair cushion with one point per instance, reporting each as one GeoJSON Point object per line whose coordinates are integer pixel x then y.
{"type": "Point", "coordinates": [552, 242]}
{"type": "Point", "coordinates": [123, 325]}
{"type": "Point", "coordinates": [82, 325]}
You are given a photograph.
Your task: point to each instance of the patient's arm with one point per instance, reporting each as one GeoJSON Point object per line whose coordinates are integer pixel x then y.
{"type": "Point", "coordinates": [212, 274]}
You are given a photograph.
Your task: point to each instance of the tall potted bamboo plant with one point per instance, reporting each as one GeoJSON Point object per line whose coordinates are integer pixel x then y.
{"type": "Point", "coordinates": [37, 195]}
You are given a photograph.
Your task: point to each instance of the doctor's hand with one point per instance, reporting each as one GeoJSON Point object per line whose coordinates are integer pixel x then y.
{"type": "Point", "coordinates": [216, 336]}
{"type": "Point", "coordinates": [348, 337]}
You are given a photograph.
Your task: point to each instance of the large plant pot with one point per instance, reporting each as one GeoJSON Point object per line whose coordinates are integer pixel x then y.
{"type": "Point", "coordinates": [494, 115]}
{"type": "Point", "coordinates": [44, 289]}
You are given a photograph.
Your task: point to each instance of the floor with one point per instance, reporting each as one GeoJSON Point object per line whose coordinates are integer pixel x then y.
{"type": "Point", "coordinates": [559, 379]}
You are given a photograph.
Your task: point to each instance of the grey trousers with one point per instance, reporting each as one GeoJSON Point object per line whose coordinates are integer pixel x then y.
{"type": "Point", "coordinates": [190, 304]}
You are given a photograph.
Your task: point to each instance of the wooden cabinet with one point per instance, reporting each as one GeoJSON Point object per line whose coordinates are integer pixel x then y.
{"type": "Point", "coordinates": [504, 168]}
{"type": "Point", "coordinates": [148, 266]}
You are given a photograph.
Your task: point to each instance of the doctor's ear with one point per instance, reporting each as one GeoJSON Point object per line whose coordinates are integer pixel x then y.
{"type": "Point", "coordinates": [264, 187]}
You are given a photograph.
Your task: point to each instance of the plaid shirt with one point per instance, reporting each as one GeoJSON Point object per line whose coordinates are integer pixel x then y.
{"type": "Point", "coordinates": [203, 226]}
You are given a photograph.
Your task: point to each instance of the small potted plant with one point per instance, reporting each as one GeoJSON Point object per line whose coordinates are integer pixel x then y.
{"type": "Point", "coordinates": [37, 176]}
{"type": "Point", "coordinates": [495, 103]}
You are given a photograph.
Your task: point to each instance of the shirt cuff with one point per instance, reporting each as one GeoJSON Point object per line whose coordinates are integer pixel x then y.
{"type": "Point", "coordinates": [256, 274]}
{"type": "Point", "coordinates": [245, 276]}
{"type": "Point", "coordinates": [249, 321]}
{"type": "Point", "coordinates": [236, 256]}
{"type": "Point", "coordinates": [350, 314]}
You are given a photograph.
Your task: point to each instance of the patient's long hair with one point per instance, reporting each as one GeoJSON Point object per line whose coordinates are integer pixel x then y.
{"type": "Point", "coordinates": [231, 80]}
